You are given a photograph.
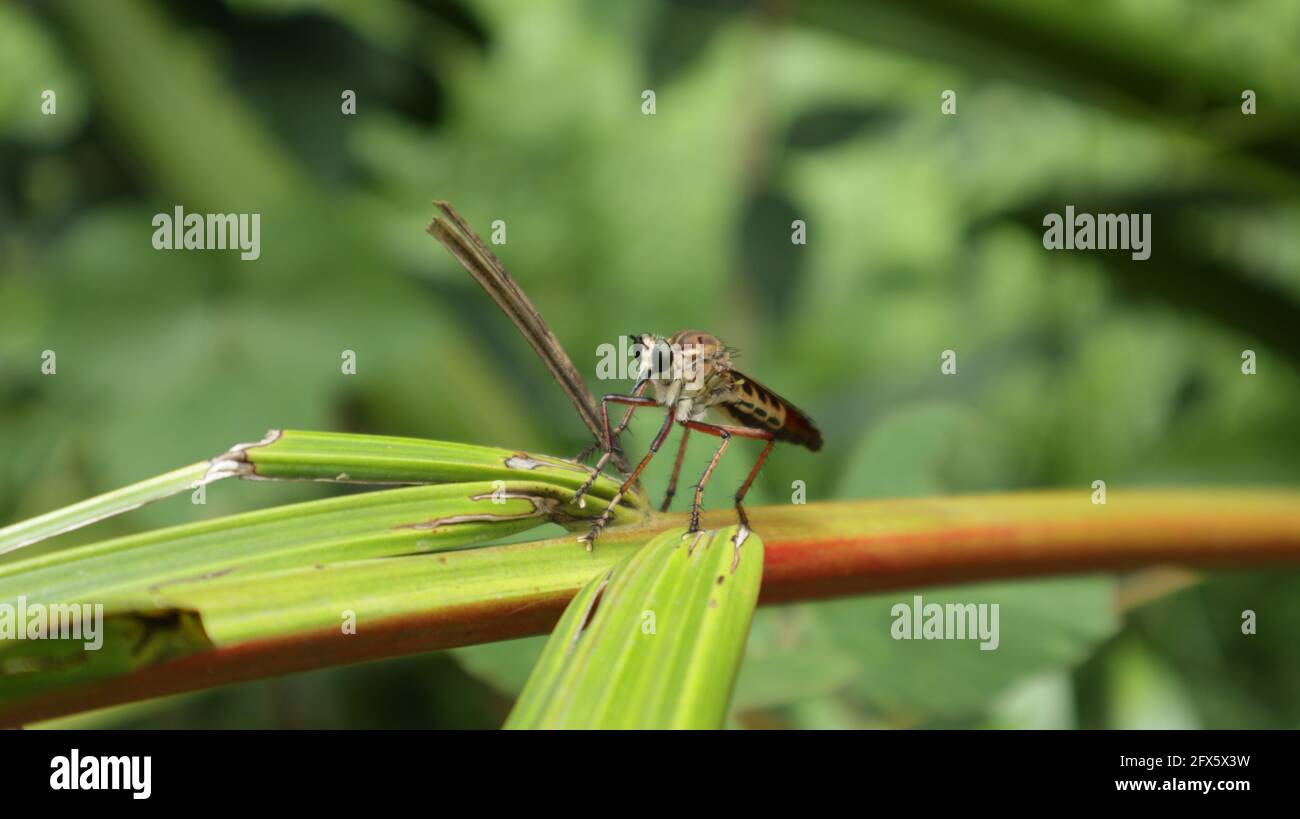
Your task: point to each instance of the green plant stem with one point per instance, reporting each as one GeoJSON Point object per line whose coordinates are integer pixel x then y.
{"type": "Point", "coordinates": [813, 551]}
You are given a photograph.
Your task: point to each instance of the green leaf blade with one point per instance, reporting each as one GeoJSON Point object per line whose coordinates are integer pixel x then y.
{"type": "Point", "coordinates": [654, 643]}
{"type": "Point", "coordinates": [351, 458]}
{"type": "Point", "coordinates": [102, 506]}
{"type": "Point", "coordinates": [332, 457]}
{"type": "Point", "coordinates": [384, 523]}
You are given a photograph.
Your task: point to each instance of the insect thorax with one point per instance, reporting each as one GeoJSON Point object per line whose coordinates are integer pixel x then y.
{"type": "Point", "coordinates": [700, 375]}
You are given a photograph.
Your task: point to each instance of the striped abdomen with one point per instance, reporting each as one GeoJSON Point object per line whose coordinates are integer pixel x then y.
{"type": "Point", "coordinates": [754, 405]}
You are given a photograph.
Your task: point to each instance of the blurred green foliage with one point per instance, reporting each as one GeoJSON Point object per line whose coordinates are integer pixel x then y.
{"type": "Point", "coordinates": [923, 235]}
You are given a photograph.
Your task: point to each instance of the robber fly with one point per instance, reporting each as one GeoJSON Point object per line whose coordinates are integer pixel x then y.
{"type": "Point", "coordinates": [690, 374]}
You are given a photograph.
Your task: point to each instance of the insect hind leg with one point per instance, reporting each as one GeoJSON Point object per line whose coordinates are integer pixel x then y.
{"type": "Point", "coordinates": [744, 488]}
{"type": "Point", "coordinates": [725, 432]}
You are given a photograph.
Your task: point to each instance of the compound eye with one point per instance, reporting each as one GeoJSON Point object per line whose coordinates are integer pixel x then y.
{"type": "Point", "coordinates": [662, 360]}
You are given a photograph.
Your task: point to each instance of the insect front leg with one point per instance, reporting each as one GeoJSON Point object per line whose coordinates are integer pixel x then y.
{"type": "Point", "coordinates": [613, 440]}
{"type": "Point", "coordinates": [596, 527]}
{"type": "Point", "coordinates": [725, 432]}
{"type": "Point", "coordinates": [632, 401]}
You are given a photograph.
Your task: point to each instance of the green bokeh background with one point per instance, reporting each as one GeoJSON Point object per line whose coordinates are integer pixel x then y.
{"type": "Point", "coordinates": [923, 236]}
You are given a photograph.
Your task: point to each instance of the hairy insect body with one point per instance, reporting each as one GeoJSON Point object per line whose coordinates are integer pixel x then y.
{"type": "Point", "coordinates": [700, 377]}
{"type": "Point", "coordinates": [689, 374]}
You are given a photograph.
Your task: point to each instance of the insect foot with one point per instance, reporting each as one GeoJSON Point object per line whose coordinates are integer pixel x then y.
{"type": "Point", "coordinates": [589, 539]}
{"type": "Point", "coordinates": [595, 473]}
{"type": "Point", "coordinates": [579, 496]}
{"type": "Point", "coordinates": [695, 519]}
{"type": "Point", "coordinates": [742, 534]}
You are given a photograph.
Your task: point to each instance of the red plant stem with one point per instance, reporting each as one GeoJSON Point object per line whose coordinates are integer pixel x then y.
{"type": "Point", "coordinates": [942, 541]}
{"type": "Point", "coordinates": [813, 552]}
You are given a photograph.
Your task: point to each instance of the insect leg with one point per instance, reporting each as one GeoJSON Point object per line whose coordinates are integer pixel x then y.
{"type": "Point", "coordinates": [677, 469]}
{"type": "Point", "coordinates": [613, 440]}
{"type": "Point", "coordinates": [725, 432]}
{"type": "Point", "coordinates": [704, 479]}
{"type": "Point", "coordinates": [740, 493]}
{"type": "Point", "coordinates": [596, 527]}
{"type": "Point", "coordinates": [633, 401]}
